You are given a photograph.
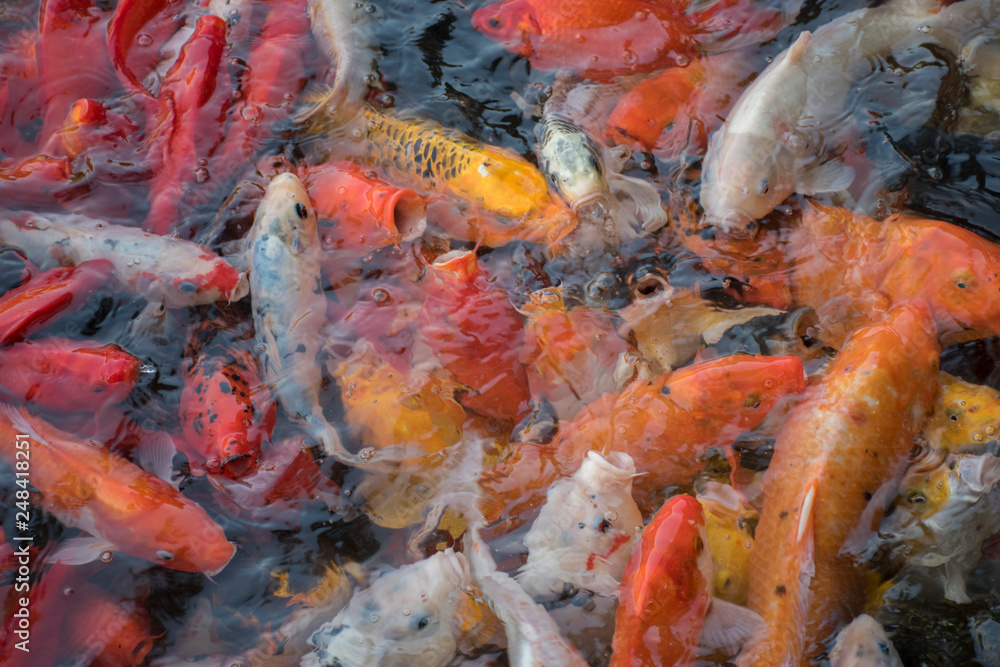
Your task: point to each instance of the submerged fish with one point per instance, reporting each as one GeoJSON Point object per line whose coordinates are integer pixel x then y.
{"type": "Point", "coordinates": [846, 438]}
{"type": "Point", "coordinates": [289, 307]}
{"type": "Point", "coordinates": [585, 532]}
{"type": "Point", "coordinates": [864, 643]}
{"type": "Point", "coordinates": [405, 618]}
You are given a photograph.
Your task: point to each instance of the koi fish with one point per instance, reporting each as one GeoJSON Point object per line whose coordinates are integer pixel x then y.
{"type": "Point", "coordinates": [728, 523]}
{"type": "Point", "coordinates": [343, 32]}
{"type": "Point", "coordinates": [864, 643]}
{"type": "Point", "coordinates": [104, 629]}
{"type": "Point", "coordinates": [225, 412]}
{"type": "Point", "coordinates": [767, 148]}
{"type": "Point", "coordinates": [91, 489]}
{"type": "Point", "coordinates": [289, 308]}
{"type": "Point", "coordinates": [49, 295]}
{"type": "Point", "coordinates": [877, 264]}
{"type": "Point", "coordinates": [585, 532]}
{"type": "Point", "coordinates": [38, 372]}
{"type": "Point", "coordinates": [669, 326]}
{"type": "Point", "coordinates": [366, 212]}
{"type": "Point", "coordinates": [508, 192]}
{"type": "Point", "coordinates": [165, 270]}
{"type": "Point", "coordinates": [966, 417]}
{"type": "Point", "coordinates": [570, 354]}
{"type": "Point", "coordinates": [665, 590]}
{"type": "Point", "coordinates": [406, 617]}
{"type": "Point", "coordinates": [847, 437]}
{"type": "Point", "coordinates": [474, 331]}
{"type": "Point", "coordinates": [391, 410]}
{"type": "Point", "coordinates": [665, 425]}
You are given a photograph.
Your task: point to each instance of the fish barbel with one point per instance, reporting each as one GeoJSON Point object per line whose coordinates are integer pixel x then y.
{"type": "Point", "coordinates": [289, 307]}
{"type": "Point", "coordinates": [848, 436]}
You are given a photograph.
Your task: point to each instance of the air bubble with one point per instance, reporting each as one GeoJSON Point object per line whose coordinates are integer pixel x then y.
{"type": "Point", "coordinates": [201, 175]}
{"type": "Point", "coordinates": [611, 515]}
{"type": "Point", "coordinates": [978, 437]}
{"type": "Point", "coordinates": [381, 296]}
{"type": "Point", "coordinates": [251, 112]}
{"type": "Point", "coordinates": [373, 618]}
{"type": "Point", "coordinates": [406, 612]}
{"type": "Point", "coordinates": [367, 454]}
{"type": "Point", "coordinates": [107, 556]}
{"type": "Point", "coordinates": [144, 39]}
{"type": "Point", "coordinates": [924, 29]}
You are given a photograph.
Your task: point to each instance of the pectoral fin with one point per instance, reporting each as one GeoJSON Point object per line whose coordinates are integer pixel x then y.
{"type": "Point", "coordinates": [829, 176]}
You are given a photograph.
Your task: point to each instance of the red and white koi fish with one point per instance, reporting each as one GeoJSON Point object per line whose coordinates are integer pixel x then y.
{"type": "Point", "coordinates": [164, 270]}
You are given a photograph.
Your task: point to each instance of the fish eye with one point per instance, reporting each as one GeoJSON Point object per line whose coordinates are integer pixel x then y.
{"type": "Point", "coordinates": [603, 526]}
{"type": "Point", "coordinates": [699, 546]}
{"type": "Point", "coordinates": [916, 498]}
{"type": "Point", "coordinates": [495, 21]}
{"type": "Point", "coordinates": [164, 555]}
{"type": "Point", "coordinates": [883, 648]}
{"type": "Point", "coordinates": [763, 187]}
{"type": "Point", "coordinates": [421, 622]}
{"type": "Point", "coordinates": [187, 286]}
{"type": "Point", "coordinates": [301, 210]}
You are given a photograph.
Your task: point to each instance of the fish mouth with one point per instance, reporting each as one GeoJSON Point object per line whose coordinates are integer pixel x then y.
{"type": "Point", "coordinates": [592, 208]}
{"type": "Point", "coordinates": [736, 224]}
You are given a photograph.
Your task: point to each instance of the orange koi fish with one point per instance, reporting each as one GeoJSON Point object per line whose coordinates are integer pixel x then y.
{"type": "Point", "coordinates": [849, 435]}
{"type": "Point", "coordinates": [571, 354]}
{"type": "Point", "coordinates": [91, 489]}
{"type": "Point", "coordinates": [366, 212]}
{"type": "Point", "coordinates": [665, 425]}
{"type": "Point", "coordinates": [38, 372]}
{"type": "Point", "coordinates": [392, 410]}
{"type": "Point", "coordinates": [474, 331]}
{"type": "Point", "coordinates": [104, 629]}
{"type": "Point", "coordinates": [49, 295]}
{"type": "Point", "coordinates": [666, 590]}
{"type": "Point", "coordinates": [875, 264]}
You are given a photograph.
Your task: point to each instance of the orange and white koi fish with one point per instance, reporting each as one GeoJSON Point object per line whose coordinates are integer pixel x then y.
{"type": "Point", "coordinates": [585, 532]}
{"type": "Point", "coordinates": [91, 489]}
{"type": "Point", "coordinates": [848, 436]}
{"type": "Point", "coordinates": [165, 270]}
{"type": "Point", "coordinates": [665, 425]}
{"type": "Point", "coordinates": [864, 643]}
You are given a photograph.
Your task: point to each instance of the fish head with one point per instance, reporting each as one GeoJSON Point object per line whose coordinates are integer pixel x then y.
{"type": "Point", "coordinates": [966, 416]}
{"type": "Point", "coordinates": [573, 166]}
{"type": "Point", "coordinates": [728, 524]}
{"type": "Point", "coordinates": [506, 184]}
{"type": "Point", "coordinates": [864, 643]}
{"type": "Point", "coordinates": [510, 23]}
{"type": "Point", "coordinates": [287, 213]}
{"type": "Point", "coordinates": [201, 546]}
{"type": "Point", "coordinates": [749, 175]}
{"type": "Point", "coordinates": [403, 618]}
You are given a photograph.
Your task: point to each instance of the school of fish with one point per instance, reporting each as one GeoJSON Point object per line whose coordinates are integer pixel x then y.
{"type": "Point", "coordinates": [628, 348]}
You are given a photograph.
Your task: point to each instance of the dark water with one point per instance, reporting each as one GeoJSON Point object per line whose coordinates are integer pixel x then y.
{"type": "Point", "coordinates": [435, 64]}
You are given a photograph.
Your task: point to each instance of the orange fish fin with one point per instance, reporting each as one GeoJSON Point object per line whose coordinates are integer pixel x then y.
{"type": "Point", "coordinates": [81, 550]}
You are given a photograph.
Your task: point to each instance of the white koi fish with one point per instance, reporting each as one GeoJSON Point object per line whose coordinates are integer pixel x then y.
{"type": "Point", "coordinates": [864, 643]}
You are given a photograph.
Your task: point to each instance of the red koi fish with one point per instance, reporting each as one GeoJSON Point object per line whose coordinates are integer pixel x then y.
{"type": "Point", "coordinates": [72, 58]}
{"type": "Point", "coordinates": [226, 412]}
{"type": "Point", "coordinates": [131, 56]}
{"type": "Point", "coordinates": [105, 629]}
{"type": "Point", "coordinates": [876, 264]}
{"type": "Point", "coordinates": [850, 434]}
{"type": "Point", "coordinates": [88, 126]}
{"type": "Point", "coordinates": [276, 73]}
{"type": "Point", "coordinates": [665, 425]}
{"type": "Point", "coordinates": [49, 295]}
{"type": "Point", "coordinates": [38, 372]}
{"type": "Point", "coordinates": [666, 590]}
{"type": "Point", "coordinates": [366, 212]}
{"type": "Point", "coordinates": [474, 330]}
{"type": "Point", "coordinates": [91, 489]}
{"type": "Point", "coordinates": [46, 614]}
{"type": "Point", "coordinates": [195, 95]}
{"type": "Point", "coordinates": [599, 39]}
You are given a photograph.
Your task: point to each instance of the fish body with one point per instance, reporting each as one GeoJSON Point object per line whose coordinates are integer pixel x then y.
{"type": "Point", "coordinates": [89, 488]}
{"type": "Point", "coordinates": [570, 353]}
{"type": "Point", "coordinates": [474, 331]}
{"type": "Point", "coordinates": [585, 532]}
{"type": "Point", "coordinates": [38, 372]}
{"type": "Point", "coordinates": [875, 264]}
{"type": "Point", "coordinates": [666, 589]}
{"type": "Point", "coordinates": [728, 522]}
{"type": "Point", "coordinates": [864, 643]}
{"type": "Point", "coordinates": [412, 413]}
{"type": "Point", "coordinates": [165, 270]}
{"type": "Point", "coordinates": [404, 618]}
{"type": "Point", "coordinates": [106, 630]}
{"type": "Point", "coordinates": [664, 424]}
{"type": "Point", "coordinates": [846, 438]}
{"type": "Point", "coordinates": [588, 37]}
{"type": "Point", "coordinates": [49, 295]}
{"type": "Point", "coordinates": [289, 307]}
